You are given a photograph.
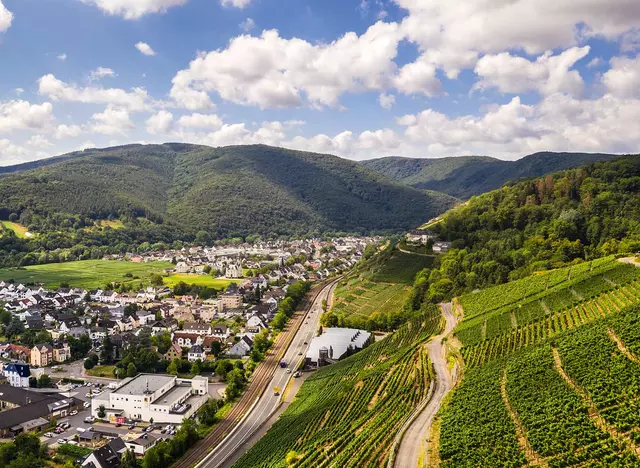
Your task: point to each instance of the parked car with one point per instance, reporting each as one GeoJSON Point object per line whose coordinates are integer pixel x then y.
{"type": "Point", "coordinates": [73, 413]}
{"type": "Point", "coordinates": [87, 404]}
{"type": "Point", "coordinates": [49, 434]}
{"type": "Point", "coordinates": [66, 426]}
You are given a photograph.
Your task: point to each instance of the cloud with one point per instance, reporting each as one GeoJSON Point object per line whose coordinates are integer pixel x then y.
{"type": "Point", "coordinates": [386, 100]}
{"type": "Point", "coordinates": [135, 100]}
{"type": "Point", "coordinates": [160, 122]}
{"type": "Point", "coordinates": [22, 115]}
{"type": "Point", "coordinates": [196, 120]}
{"type": "Point", "coordinates": [273, 72]}
{"type": "Point", "coordinates": [548, 74]}
{"type": "Point", "coordinates": [39, 141]}
{"type": "Point", "coordinates": [623, 78]}
{"type": "Point", "coordinates": [19, 91]}
{"type": "Point", "coordinates": [145, 49]}
{"type": "Point", "coordinates": [134, 9]}
{"type": "Point", "coordinates": [100, 73]}
{"type": "Point", "coordinates": [418, 77]}
{"type": "Point", "coordinates": [62, 57]}
{"type": "Point", "coordinates": [6, 18]}
{"type": "Point", "coordinates": [235, 3]}
{"type": "Point", "coordinates": [247, 25]}
{"type": "Point", "coordinates": [64, 131]}
{"type": "Point", "coordinates": [113, 121]}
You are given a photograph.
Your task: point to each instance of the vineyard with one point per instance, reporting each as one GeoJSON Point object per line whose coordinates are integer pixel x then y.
{"type": "Point", "coordinates": [536, 332]}
{"type": "Point", "coordinates": [572, 400]}
{"type": "Point", "coordinates": [347, 414]}
{"type": "Point", "coordinates": [545, 305]}
{"type": "Point", "coordinates": [362, 299]}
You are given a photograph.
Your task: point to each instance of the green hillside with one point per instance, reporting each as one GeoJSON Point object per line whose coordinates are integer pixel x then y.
{"type": "Point", "coordinates": [465, 176]}
{"type": "Point", "coordinates": [179, 192]}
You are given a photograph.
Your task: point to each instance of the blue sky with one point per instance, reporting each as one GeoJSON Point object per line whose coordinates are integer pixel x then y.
{"type": "Point", "coordinates": [360, 79]}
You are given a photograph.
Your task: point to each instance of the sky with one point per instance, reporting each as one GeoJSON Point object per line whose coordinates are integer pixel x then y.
{"type": "Point", "coordinates": [359, 79]}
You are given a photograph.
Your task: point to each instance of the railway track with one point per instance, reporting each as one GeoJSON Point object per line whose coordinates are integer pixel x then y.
{"type": "Point", "coordinates": [257, 385]}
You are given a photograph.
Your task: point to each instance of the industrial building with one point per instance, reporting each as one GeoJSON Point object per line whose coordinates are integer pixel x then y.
{"type": "Point", "coordinates": [165, 398]}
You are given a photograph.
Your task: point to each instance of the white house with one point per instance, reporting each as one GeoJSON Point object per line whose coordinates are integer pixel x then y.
{"type": "Point", "coordinates": [241, 348]}
{"type": "Point", "coordinates": [17, 374]}
{"type": "Point", "coordinates": [196, 352]}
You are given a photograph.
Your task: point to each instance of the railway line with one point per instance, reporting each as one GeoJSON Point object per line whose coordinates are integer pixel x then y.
{"type": "Point", "coordinates": [256, 387]}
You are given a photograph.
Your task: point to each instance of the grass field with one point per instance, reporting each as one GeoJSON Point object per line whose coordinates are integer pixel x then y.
{"type": "Point", "coordinates": [102, 371]}
{"type": "Point", "coordinates": [84, 274]}
{"type": "Point", "coordinates": [199, 280]}
{"type": "Point", "coordinates": [20, 230]}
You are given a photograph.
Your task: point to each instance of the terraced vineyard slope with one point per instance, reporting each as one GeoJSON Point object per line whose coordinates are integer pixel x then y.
{"type": "Point", "coordinates": [348, 414]}
{"type": "Point", "coordinates": [568, 401]}
{"type": "Point", "coordinates": [374, 295]}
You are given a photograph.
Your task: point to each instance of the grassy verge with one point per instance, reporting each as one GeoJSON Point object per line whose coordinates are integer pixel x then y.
{"type": "Point", "coordinates": [199, 280]}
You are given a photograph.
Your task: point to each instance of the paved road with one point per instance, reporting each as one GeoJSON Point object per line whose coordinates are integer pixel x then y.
{"type": "Point", "coordinates": [236, 444]}
{"type": "Point", "coordinates": [410, 448]}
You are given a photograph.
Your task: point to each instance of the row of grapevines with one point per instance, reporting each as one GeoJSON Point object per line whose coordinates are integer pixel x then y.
{"type": "Point", "coordinates": [347, 414]}
{"type": "Point", "coordinates": [536, 332]}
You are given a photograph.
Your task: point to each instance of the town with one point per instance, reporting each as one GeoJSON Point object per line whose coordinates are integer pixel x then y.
{"type": "Point", "coordinates": [126, 367]}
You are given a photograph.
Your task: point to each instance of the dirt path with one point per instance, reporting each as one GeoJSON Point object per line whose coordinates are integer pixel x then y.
{"type": "Point", "coordinates": [409, 451]}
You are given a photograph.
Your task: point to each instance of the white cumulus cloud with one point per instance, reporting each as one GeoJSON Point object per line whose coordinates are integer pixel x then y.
{"type": "Point", "coordinates": [623, 78]}
{"type": "Point", "coordinates": [272, 72]}
{"type": "Point", "coordinates": [160, 122]}
{"type": "Point", "coordinates": [196, 120]}
{"type": "Point", "coordinates": [135, 100]}
{"type": "Point", "coordinates": [22, 115]}
{"type": "Point", "coordinates": [101, 72]}
{"type": "Point", "coordinates": [236, 3]}
{"type": "Point", "coordinates": [113, 121]}
{"type": "Point", "coordinates": [6, 18]}
{"type": "Point", "coordinates": [145, 49]}
{"type": "Point", "coordinates": [548, 74]}
{"type": "Point", "coordinates": [64, 131]}
{"type": "Point", "coordinates": [134, 9]}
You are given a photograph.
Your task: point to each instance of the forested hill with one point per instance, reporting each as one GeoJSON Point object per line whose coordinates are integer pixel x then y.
{"type": "Point", "coordinates": [223, 192]}
{"type": "Point", "coordinates": [465, 176]}
{"type": "Point", "coordinates": [540, 224]}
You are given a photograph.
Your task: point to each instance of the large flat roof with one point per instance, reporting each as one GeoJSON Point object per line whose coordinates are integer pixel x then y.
{"type": "Point", "coordinates": [144, 383]}
{"type": "Point", "coordinates": [337, 341]}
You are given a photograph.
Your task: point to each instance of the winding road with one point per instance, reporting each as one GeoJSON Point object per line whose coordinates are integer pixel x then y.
{"type": "Point", "coordinates": [411, 445]}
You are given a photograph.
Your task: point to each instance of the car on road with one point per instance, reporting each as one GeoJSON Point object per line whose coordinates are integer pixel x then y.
{"type": "Point", "coordinates": [73, 413]}
{"type": "Point", "coordinates": [163, 431]}
{"type": "Point", "coordinates": [87, 404]}
{"type": "Point", "coordinates": [288, 371]}
{"type": "Point", "coordinates": [306, 343]}
{"type": "Point", "coordinates": [300, 353]}
{"type": "Point", "coordinates": [132, 426]}
{"type": "Point", "coordinates": [65, 426]}
{"type": "Point", "coordinates": [63, 441]}
{"type": "Point", "coordinates": [49, 434]}
{"type": "Point", "coordinates": [297, 374]}
{"type": "Point", "coordinates": [89, 419]}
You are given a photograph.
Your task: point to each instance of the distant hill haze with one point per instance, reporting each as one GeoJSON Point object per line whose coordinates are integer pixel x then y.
{"type": "Point", "coordinates": [466, 176]}
{"type": "Point", "coordinates": [227, 191]}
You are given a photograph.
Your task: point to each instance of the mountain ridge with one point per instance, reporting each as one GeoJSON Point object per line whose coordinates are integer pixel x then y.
{"type": "Point", "coordinates": [466, 176]}
{"type": "Point", "coordinates": [226, 191]}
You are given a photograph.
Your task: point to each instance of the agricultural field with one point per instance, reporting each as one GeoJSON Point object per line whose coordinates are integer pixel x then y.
{"type": "Point", "coordinates": [584, 312]}
{"type": "Point", "coordinates": [19, 230]}
{"type": "Point", "coordinates": [568, 401]}
{"type": "Point", "coordinates": [89, 274]}
{"type": "Point", "coordinates": [393, 266]}
{"type": "Point", "coordinates": [582, 287]}
{"type": "Point", "coordinates": [347, 414]}
{"type": "Point", "coordinates": [198, 280]}
{"type": "Point", "coordinates": [360, 299]}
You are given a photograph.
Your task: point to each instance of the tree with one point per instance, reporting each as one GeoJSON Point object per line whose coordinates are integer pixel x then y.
{"type": "Point", "coordinates": [102, 413]}
{"type": "Point", "coordinates": [174, 367]}
{"type": "Point", "coordinates": [15, 328]}
{"type": "Point", "coordinates": [216, 347]}
{"type": "Point", "coordinates": [128, 460]}
{"type": "Point", "coordinates": [235, 383]}
{"type": "Point", "coordinates": [106, 356]}
{"type": "Point", "coordinates": [44, 381]}
{"type": "Point", "coordinates": [5, 317]}
{"type": "Point", "coordinates": [156, 280]}
{"type": "Point", "coordinates": [196, 367]}
{"type": "Point", "coordinates": [207, 412]}
{"type": "Point", "coordinates": [131, 370]}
